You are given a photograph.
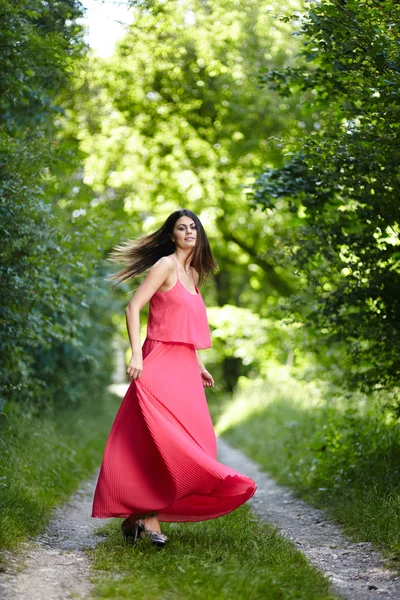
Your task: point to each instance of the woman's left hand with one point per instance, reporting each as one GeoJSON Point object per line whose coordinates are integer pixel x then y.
{"type": "Point", "coordinates": [207, 378]}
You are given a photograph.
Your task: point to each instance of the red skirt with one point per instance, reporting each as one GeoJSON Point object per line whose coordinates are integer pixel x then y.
{"type": "Point", "coordinates": [160, 456]}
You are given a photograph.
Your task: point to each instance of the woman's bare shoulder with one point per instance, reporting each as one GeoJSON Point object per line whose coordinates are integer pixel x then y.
{"type": "Point", "coordinates": [165, 263]}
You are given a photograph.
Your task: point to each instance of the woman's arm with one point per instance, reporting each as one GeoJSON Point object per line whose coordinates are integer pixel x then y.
{"type": "Point", "coordinates": [206, 377]}
{"type": "Point", "coordinates": [200, 363]}
{"type": "Point", "coordinates": [157, 275]}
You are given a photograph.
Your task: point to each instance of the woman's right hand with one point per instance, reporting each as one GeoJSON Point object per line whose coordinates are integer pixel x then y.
{"type": "Point", "coordinates": [135, 366]}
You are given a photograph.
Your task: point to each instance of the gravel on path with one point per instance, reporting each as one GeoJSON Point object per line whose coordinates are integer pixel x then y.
{"type": "Point", "coordinates": [56, 567]}
{"type": "Point", "coordinates": [356, 571]}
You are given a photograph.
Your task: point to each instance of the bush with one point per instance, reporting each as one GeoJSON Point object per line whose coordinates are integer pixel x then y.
{"type": "Point", "coordinates": [55, 322]}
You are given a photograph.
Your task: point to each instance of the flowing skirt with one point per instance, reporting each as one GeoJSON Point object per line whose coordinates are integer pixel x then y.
{"type": "Point", "coordinates": [160, 456]}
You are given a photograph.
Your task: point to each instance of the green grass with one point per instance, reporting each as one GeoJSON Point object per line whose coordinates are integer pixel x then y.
{"type": "Point", "coordinates": [345, 460]}
{"type": "Point", "coordinates": [43, 459]}
{"type": "Point", "coordinates": [233, 557]}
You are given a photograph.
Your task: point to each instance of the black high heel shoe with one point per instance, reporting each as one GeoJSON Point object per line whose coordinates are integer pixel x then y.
{"type": "Point", "coordinates": [157, 538]}
{"type": "Point", "coordinates": [132, 531]}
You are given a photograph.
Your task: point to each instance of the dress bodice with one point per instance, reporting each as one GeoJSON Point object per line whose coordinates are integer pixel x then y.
{"type": "Point", "coordinates": [177, 315]}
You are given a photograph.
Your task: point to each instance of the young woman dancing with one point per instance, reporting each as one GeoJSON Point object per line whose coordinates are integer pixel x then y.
{"type": "Point", "coordinates": [160, 459]}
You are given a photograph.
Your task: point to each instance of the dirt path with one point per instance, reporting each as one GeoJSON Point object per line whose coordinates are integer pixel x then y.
{"type": "Point", "coordinates": [356, 571]}
{"type": "Point", "coordinates": [56, 566]}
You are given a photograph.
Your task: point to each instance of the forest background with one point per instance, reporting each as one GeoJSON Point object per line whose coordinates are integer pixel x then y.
{"type": "Point", "coordinates": [277, 123]}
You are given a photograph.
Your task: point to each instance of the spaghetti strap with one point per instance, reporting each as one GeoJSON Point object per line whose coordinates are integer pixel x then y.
{"type": "Point", "coordinates": [177, 273]}
{"type": "Point", "coordinates": [176, 264]}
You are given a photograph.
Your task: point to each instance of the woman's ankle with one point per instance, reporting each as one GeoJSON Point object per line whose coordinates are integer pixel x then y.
{"type": "Point", "coordinates": [151, 523]}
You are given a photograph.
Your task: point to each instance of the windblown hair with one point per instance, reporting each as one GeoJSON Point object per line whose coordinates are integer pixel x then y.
{"type": "Point", "coordinates": [141, 254]}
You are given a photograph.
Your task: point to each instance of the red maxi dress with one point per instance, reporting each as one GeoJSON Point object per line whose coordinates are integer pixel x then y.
{"type": "Point", "coordinates": [161, 452]}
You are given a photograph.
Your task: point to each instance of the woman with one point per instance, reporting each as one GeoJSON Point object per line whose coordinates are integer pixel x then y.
{"type": "Point", "coordinates": [160, 459]}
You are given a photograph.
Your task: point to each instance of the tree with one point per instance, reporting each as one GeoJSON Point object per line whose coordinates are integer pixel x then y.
{"type": "Point", "coordinates": [176, 118]}
{"type": "Point", "coordinates": [49, 270]}
{"type": "Point", "coordinates": [342, 180]}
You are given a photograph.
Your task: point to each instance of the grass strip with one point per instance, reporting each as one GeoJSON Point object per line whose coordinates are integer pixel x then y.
{"type": "Point", "coordinates": [42, 461]}
{"type": "Point", "coordinates": [233, 557]}
{"type": "Point", "coordinates": [345, 461]}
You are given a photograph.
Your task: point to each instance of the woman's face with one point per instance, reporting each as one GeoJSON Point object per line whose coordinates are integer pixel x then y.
{"type": "Point", "coordinates": [185, 233]}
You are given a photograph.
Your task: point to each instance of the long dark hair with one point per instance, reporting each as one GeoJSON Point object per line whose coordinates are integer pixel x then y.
{"type": "Point", "coordinates": [141, 254]}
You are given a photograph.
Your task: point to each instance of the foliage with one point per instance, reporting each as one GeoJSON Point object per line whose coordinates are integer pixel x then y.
{"type": "Point", "coordinates": [342, 182]}
{"type": "Point", "coordinates": [38, 42]}
{"type": "Point", "coordinates": [54, 322]}
{"type": "Point", "coordinates": [250, 344]}
{"type": "Point", "coordinates": [42, 460]}
{"type": "Point", "coordinates": [175, 118]}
